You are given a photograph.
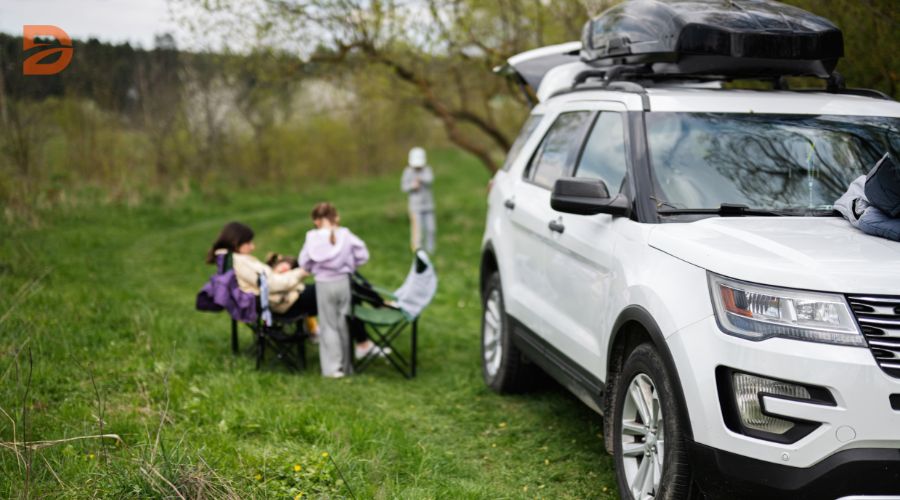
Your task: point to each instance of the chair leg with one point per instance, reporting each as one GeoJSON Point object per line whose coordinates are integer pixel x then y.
{"type": "Point", "coordinates": [301, 350]}
{"type": "Point", "coordinates": [260, 351]}
{"type": "Point", "coordinates": [234, 337]}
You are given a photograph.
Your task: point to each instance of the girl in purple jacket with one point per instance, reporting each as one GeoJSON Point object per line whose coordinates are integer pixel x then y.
{"type": "Point", "coordinates": [332, 253]}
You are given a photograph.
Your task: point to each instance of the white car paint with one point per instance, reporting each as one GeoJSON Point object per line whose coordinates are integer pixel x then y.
{"type": "Point", "coordinates": [570, 288]}
{"type": "Point", "coordinates": [811, 253]}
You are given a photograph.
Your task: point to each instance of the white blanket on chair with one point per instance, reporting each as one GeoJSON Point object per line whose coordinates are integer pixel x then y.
{"type": "Point", "coordinates": [418, 289]}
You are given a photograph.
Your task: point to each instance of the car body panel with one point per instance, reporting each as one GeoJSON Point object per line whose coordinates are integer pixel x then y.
{"type": "Point", "coordinates": [579, 283]}
{"type": "Point", "coordinates": [812, 253]}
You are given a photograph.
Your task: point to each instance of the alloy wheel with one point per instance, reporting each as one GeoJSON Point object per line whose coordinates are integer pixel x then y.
{"type": "Point", "coordinates": [493, 331]}
{"type": "Point", "coordinates": [643, 438]}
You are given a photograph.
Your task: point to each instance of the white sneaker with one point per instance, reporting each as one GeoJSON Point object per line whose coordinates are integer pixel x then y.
{"type": "Point", "coordinates": [361, 352]}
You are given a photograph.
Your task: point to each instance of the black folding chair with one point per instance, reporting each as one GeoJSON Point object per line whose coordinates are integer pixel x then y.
{"type": "Point", "coordinates": [282, 334]}
{"type": "Point", "coordinates": [386, 315]}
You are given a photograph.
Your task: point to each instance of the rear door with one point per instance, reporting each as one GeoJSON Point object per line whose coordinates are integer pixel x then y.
{"type": "Point", "coordinates": [581, 262]}
{"type": "Point", "coordinates": [530, 215]}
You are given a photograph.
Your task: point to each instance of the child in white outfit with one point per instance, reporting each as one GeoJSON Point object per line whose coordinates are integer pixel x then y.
{"type": "Point", "coordinates": [416, 182]}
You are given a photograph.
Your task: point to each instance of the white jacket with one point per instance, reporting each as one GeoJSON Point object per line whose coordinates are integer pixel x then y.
{"type": "Point", "coordinates": [284, 288]}
{"type": "Point", "coordinates": [853, 204]}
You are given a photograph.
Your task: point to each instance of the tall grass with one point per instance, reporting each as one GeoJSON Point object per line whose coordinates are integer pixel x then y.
{"type": "Point", "coordinates": [100, 299]}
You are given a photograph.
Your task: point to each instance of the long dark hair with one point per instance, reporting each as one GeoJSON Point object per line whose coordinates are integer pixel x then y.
{"type": "Point", "coordinates": [233, 235]}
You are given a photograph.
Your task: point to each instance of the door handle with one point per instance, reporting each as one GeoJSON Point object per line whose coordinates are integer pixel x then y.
{"type": "Point", "coordinates": [557, 226]}
{"type": "Point", "coordinates": [510, 204]}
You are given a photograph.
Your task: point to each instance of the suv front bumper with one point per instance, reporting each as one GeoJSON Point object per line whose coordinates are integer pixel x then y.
{"type": "Point", "coordinates": [850, 472]}
{"type": "Point", "coordinates": [862, 427]}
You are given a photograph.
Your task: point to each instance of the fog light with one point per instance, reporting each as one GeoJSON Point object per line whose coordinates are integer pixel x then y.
{"type": "Point", "coordinates": [748, 390]}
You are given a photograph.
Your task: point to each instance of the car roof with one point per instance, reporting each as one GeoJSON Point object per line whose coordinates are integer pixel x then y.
{"type": "Point", "coordinates": [705, 100]}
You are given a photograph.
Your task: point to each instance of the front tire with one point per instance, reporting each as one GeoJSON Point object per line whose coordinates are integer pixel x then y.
{"type": "Point", "coordinates": [649, 443]}
{"type": "Point", "coordinates": [502, 364]}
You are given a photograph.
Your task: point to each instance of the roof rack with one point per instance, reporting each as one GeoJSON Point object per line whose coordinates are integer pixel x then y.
{"type": "Point", "coordinates": [648, 42]}
{"type": "Point", "coordinates": [722, 37]}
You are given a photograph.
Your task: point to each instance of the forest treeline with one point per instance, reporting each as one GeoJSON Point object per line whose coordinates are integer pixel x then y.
{"type": "Point", "coordinates": [123, 123]}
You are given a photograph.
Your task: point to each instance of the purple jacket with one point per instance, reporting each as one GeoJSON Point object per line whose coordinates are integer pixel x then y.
{"type": "Point", "coordinates": [327, 261]}
{"type": "Point", "coordinates": [222, 292]}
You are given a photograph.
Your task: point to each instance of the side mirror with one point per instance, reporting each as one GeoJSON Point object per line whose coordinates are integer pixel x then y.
{"type": "Point", "coordinates": [573, 195]}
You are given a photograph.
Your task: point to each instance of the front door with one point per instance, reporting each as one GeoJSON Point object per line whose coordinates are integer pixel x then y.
{"type": "Point", "coordinates": [581, 260]}
{"type": "Point", "coordinates": [531, 215]}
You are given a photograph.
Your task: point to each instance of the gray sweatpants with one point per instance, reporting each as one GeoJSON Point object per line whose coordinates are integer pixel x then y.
{"type": "Point", "coordinates": [422, 227]}
{"type": "Point", "coordinates": [333, 301]}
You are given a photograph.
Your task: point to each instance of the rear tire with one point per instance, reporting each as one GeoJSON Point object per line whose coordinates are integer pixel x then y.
{"type": "Point", "coordinates": [502, 364]}
{"type": "Point", "coordinates": [649, 442]}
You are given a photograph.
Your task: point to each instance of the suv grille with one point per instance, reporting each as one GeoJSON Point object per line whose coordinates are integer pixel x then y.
{"type": "Point", "coordinates": [879, 320]}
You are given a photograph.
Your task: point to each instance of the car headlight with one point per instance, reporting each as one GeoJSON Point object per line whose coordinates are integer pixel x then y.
{"type": "Point", "coordinates": [758, 312]}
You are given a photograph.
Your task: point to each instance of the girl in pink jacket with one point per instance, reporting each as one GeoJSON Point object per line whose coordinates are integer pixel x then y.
{"type": "Point", "coordinates": [332, 253]}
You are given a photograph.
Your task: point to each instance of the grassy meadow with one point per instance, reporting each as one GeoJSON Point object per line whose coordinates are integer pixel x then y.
{"type": "Point", "coordinates": [98, 334]}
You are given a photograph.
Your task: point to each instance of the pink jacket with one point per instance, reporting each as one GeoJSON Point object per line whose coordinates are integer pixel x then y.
{"type": "Point", "coordinates": [329, 261]}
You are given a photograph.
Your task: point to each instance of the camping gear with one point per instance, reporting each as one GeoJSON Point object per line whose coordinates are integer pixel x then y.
{"type": "Point", "coordinates": [284, 335]}
{"type": "Point", "coordinates": [386, 315]}
{"type": "Point", "coordinates": [687, 41]}
{"type": "Point", "coordinates": [855, 207]}
{"type": "Point", "coordinates": [221, 292]}
{"type": "Point", "coordinates": [853, 204]}
{"type": "Point", "coordinates": [878, 223]}
{"type": "Point", "coordinates": [723, 37]}
{"type": "Point", "coordinates": [883, 186]}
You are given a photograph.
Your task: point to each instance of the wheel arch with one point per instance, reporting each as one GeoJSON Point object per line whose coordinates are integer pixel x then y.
{"type": "Point", "coordinates": [488, 265]}
{"type": "Point", "coordinates": [634, 326]}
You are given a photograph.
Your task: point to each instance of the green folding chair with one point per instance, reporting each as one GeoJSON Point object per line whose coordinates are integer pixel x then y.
{"type": "Point", "coordinates": [386, 315]}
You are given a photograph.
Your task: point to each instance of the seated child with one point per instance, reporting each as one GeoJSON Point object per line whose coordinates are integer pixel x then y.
{"type": "Point", "coordinates": [281, 264]}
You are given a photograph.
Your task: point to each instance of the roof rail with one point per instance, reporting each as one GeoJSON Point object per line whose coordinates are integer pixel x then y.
{"type": "Point", "coordinates": [635, 77]}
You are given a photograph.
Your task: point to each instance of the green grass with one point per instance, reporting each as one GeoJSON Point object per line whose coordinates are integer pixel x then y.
{"type": "Point", "coordinates": [100, 301]}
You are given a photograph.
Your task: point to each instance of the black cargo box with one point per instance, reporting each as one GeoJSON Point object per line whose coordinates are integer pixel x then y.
{"type": "Point", "coordinates": [728, 38]}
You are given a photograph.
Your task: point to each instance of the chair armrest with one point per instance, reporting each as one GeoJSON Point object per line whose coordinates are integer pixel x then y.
{"type": "Point", "coordinates": [384, 292]}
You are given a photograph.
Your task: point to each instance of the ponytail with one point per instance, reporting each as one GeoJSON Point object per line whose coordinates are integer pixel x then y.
{"type": "Point", "coordinates": [325, 210]}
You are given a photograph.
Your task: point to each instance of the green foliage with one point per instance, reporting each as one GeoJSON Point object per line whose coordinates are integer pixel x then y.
{"type": "Point", "coordinates": [103, 295]}
{"type": "Point", "coordinates": [871, 39]}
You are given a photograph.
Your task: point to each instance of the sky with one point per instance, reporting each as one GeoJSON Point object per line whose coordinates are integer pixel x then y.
{"type": "Point", "coordinates": [134, 21]}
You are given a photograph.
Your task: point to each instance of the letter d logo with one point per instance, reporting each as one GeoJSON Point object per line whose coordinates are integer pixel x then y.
{"type": "Point", "coordinates": [33, 65]}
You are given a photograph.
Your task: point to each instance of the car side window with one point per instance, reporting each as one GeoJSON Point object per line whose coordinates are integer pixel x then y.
{"type": "Point", "coordinates": [522, 138]}
{"type": "Point", "coordinates": [559, 149]}
{"type": "Point", "coordinates": [604, 154]}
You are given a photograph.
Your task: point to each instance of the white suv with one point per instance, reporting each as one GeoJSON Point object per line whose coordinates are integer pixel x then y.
{"type": "Point", "coordinates": [670, 254]}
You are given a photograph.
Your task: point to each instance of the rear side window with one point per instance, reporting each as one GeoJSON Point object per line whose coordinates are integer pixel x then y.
{"type": "Point", "coordinates": [520, 141]}
{"type": "Point", "coordinates": [559, 150]}
{"type": "Point", "coordinates": [604, 154]}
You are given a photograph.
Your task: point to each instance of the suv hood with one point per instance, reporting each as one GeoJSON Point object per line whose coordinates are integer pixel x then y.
{"type": "Point", "coordinates": [813, 253]}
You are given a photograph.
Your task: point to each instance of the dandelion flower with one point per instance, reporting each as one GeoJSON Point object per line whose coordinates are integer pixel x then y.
{"type": "Point", "coordinates": [324, 454]}
{"type": "Point", "coordinates": [297, 468]}
{"type": "Point", "coordinates": [298, 496]}
{"type": "Point", "coordinates": [502, 425]}
{"type": "Point", "coordinates": [258, 477]}
{"type": "Point", "coordinates": [91, 456]}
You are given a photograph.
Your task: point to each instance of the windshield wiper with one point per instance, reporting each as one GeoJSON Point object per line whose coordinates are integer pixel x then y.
{"type": "Point", "coordinates": [724, 210]}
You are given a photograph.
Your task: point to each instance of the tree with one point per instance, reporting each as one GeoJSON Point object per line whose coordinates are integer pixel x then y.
{"type": "Point", "coordinates": [440, 53]}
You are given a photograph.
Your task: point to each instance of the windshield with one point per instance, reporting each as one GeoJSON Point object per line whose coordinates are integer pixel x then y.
{"type": "Point", "coordinates": [790, 163]}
